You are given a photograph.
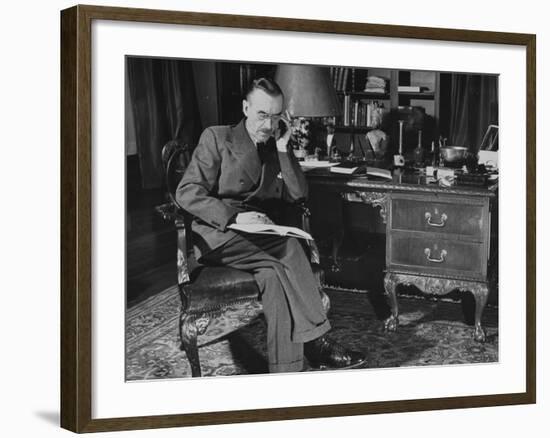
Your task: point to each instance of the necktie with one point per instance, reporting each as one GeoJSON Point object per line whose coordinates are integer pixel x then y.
{"type": "Point", "coordinates": [263, 151]}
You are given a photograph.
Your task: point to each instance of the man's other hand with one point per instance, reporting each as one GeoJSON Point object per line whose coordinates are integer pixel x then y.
{"type": "Point", "coordinates": [252, 217]}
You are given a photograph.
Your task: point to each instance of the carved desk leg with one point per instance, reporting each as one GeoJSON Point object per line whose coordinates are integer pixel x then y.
{"type": "Point", "coordinates": [481, 293]}
{"type": "Point", "coordinates": [390, 286]}
{"type": "Point", "coordinates": [436, 286]}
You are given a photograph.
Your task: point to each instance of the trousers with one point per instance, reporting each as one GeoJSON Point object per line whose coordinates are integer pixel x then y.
{"type": "Point", "coordinates": [289, 293]}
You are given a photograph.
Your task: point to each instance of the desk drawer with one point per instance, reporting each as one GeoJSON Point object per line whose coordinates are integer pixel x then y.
{"type": "Point", "coordinates": [438, 217]}
{"type": "Point", "coordinates": [425, 254]}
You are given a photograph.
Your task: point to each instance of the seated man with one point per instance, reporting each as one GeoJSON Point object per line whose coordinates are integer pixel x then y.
{"type": "Point", "coordinates": [242, 174]}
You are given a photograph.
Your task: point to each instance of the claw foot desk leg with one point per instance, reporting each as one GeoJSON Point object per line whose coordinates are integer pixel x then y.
{"type": "Point", "coordinates": [390, 286]}
{"type": "Point", "coordinates": [481, 293]}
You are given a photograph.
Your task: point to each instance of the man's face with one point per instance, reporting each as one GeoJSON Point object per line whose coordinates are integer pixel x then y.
{"type": "Point", "coordinates": [263, 113]}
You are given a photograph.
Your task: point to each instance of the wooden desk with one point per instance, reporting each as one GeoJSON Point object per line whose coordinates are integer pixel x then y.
{"type": "Point", "coordinates": [437, 238]}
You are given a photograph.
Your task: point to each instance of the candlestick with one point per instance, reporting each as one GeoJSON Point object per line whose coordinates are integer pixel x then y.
{"type": "Point", "coordinates": [400, 137]}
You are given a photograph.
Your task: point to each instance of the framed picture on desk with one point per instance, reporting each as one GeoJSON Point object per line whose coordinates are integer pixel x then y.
{"type": "Point", "coordinates": [108, 52]}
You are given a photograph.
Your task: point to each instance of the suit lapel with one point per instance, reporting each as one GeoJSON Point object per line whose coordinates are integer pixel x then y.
{"type": "Point", "coordinates": [243, 148]}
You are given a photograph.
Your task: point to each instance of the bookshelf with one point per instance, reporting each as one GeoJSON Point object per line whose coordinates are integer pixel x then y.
{"type": "Point", "coordinates": [395, 94]}
{"type": "Point", "coordinates": [350, 88]}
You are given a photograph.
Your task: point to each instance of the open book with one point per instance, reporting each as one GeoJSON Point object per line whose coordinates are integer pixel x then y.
{"type": "Point", "coordinates": [279, 230]}
{"type": "Point", "coordinates": [377, 171]}
{"type": "Point", "coordinates": [361, 169]}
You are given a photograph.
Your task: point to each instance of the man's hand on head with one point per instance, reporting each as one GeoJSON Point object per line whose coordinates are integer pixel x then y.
{"type": "Point", "coordinates": [282, 140]}
{"type": "Point", "coordinates": [252, 217]}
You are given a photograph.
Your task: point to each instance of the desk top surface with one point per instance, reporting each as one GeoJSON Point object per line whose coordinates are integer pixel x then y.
{"type": "Point", "coordinates": [402, 181]}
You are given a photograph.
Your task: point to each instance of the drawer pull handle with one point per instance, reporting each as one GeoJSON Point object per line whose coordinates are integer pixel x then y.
{"type": "Point", "coordinates": [441, 258]}
{"type": "Point", "coordinates": [428, 217]}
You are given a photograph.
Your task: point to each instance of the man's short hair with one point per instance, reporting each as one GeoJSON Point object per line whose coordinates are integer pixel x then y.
{"type": "Point", "coordinates": [269, 86]}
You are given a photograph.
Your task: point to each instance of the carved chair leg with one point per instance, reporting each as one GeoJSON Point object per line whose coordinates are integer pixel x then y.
{"type": "Point", "coordinates": [325, 299]}
{"type": "Point", "coordinates": [188, 337]}
{"type": "Point", "coordinates": [481, 293]}
{"type": "Point", "coordinates": [390, 287]}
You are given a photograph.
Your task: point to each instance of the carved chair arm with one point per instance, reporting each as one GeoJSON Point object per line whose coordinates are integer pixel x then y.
{"type": "Point", "coordinates": [168, 211]}
{"type": "Point", "coordinates": [305, 213]}
{"type": "Point", "coordinates": [183, 268]}
{"type": "Point", "coordinates": [183, 256]}
{"type": "Point", "coordinates": [171, 212]}
{"type": "Point", "coordinates": [314, 256]}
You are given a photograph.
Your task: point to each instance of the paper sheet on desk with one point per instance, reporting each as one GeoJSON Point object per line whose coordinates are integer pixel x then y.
{"type": "Point", "coordinates": [488, 158]}
{"type": "Point", "coordinates": [377, 171]}
{"type": "Point", "coordinates": [313, 164]}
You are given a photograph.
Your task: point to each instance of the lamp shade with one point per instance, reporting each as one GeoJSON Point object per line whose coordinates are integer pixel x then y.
{"type": "Point", "coordinates": [308, 91]}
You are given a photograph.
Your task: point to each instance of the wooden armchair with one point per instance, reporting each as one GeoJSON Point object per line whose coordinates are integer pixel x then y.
{"type": "Point", "coordinates": [214, 300]}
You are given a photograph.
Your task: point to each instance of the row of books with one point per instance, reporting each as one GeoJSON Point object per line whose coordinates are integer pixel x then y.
{"type": "Point", "coordinates": [340, 77]}
{"type": "Point", "coordinates": [343, 79]}
{"type": "Point", "coordinates": [362, 113]}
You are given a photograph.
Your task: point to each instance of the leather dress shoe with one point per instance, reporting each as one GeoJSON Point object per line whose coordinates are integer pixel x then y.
{"type": "Point", "coordinates": [323, 353]}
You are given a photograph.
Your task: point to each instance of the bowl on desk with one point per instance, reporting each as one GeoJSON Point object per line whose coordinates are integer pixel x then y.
{"type": "Point", "coordinates": [453, 156]}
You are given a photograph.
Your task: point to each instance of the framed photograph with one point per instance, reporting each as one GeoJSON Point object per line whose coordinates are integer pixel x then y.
{"type": "Point", "coordinates": [341, 214]}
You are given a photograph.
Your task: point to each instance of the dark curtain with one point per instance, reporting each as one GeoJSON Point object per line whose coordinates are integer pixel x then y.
{"type": "Point", "coordinates": [164, 105]}
{"type": "Point", "coordinates": [474, 106]}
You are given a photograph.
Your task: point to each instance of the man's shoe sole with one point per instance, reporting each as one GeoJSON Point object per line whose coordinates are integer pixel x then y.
{"type": "Point", "coordinates": [329, 368]}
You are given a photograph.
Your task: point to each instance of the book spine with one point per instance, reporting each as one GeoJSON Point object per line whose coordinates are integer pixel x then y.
{"type": "Point", "coordinates": [409, 88]}
{"type": "Point", "coordinates": [345, 83]}
{"type": "Point", "coordinates": [346, 109]}
{"type": "Point", "coordinates": [369, 115]}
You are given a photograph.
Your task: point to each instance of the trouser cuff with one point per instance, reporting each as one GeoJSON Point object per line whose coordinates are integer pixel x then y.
{"type": "Point", "coordinates": [311, 334]}
{"type": "Point", "coordinates": [291, 367]}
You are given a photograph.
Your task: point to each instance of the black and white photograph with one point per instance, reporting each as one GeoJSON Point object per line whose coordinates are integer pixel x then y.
{"type": "Point", "coordinates": [276, 219]}
{"type": "Point", "coordinates": [286, 218]}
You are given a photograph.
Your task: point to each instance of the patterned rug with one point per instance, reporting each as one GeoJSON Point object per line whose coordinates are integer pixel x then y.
{"type": "Point", "coordinates": [431, 332]}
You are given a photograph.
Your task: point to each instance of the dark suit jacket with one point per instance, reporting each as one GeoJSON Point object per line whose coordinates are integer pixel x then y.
{"type": "Point", "coordinates": [226, 177]}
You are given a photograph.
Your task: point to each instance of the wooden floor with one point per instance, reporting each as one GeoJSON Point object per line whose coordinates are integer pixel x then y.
{"type": "Point", "coordinates": [150, 248]}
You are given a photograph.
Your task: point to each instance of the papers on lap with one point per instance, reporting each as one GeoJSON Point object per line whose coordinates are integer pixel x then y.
{"type": "Point", "coordinates": [279, 230]}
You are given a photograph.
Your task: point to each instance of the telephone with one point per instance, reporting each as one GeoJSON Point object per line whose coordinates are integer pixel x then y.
{"type": "Point", "coordinates": [282, 128]}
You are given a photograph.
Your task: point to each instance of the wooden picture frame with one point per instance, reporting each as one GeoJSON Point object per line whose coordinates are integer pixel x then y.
{"type": "Point", "coordinates": [76, 217]}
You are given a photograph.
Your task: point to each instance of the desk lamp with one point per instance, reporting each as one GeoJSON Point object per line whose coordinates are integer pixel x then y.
{"type": "Point", "coordinates": [308, 91]}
